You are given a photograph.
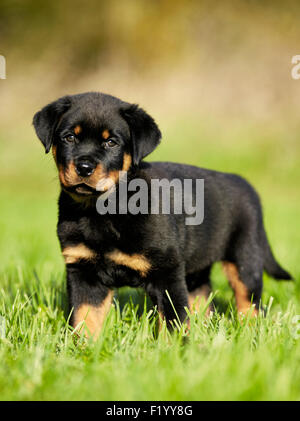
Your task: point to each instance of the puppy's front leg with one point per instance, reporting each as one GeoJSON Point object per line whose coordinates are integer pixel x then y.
{"type": "Point", "coordinates": [89, 299]}
{"type": "Point", "coordinates": [171, 300]}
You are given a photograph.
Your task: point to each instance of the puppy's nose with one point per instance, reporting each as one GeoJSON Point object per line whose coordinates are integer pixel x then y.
{"type": "Point", "coordinates": [85, 168]}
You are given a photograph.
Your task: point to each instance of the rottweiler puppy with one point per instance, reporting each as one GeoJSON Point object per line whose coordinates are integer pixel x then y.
{"type": "Point", "coordinates": [96, 139]}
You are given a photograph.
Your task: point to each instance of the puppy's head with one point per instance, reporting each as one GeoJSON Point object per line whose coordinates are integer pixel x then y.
{"type": "Point", "coordinates": [94, 136]}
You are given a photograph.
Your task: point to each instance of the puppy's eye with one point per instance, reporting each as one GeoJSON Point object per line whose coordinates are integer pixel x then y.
{"type": "Point", "coordinates": [110, 143]}
{"type": "Point", "coordinates": [69, 138]}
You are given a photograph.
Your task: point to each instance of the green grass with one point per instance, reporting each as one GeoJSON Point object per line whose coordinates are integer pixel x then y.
{"type": "Point", "coordinates": [222, 358]}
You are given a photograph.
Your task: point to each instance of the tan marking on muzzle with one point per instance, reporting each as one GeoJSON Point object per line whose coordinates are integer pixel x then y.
{"type": "Point", "coordinates": [73, 254]}
{"type": "Point", "coordinates": [108, 181]}
{"type": "Point", "coordinates": [136, 262]}
{"type": "Point", "coordinates": [99, 180]}
{"type": "Point", "coordinates": [240, 290]}
{"type": "Point", "coordinates": [93, 316]}
{"type": "Point", "coordinates": [97, 175]}
{"type": "Point", "coordinates": [69, 176]}
{"type": "Point", "coordinates": [127, 160]}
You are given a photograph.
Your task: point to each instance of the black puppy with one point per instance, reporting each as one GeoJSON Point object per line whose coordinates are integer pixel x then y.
{"type": "Point", "coordinates": [95, 136]}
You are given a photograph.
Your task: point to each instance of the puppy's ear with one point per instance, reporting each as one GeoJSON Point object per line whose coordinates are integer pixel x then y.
{"type": "Point", "coordinates": [145, 134]}
{"type": "Point", "coordinates": [46, 120]}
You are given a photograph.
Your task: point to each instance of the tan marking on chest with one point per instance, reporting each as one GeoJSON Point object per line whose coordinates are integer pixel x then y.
{"type": "Point", "coordinates": [73, 254]}
{"type": "Point", "coordinates": [136, 261]}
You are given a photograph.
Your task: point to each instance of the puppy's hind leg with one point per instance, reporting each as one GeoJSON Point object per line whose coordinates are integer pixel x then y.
{"type": "Point", "coordinates": [247, 286]}
{"type": "Point", "coordinates": [199, 288]}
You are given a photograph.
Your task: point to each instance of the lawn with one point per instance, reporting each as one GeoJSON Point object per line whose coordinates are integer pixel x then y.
{"type": "Point", "coordinates": [223, 358]}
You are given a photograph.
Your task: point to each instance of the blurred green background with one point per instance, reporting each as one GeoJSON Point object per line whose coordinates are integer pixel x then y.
{"type": "Point", "coordinates": [216, 76]}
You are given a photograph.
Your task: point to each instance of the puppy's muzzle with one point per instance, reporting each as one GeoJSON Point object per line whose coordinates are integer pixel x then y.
{"type": "Point", "coordinates": [85, 168]}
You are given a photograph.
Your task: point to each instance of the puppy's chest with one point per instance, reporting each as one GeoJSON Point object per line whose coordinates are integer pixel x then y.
{"type": "Point", "coordinates": [118, 255]}
{"type": "Point", "coordinates": [101, 234]}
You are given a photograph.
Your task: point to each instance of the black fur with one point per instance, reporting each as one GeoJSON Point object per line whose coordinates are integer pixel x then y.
{"type": "Point", "coordinates": [180, 255]}
{"type": "Point", "coordinates": [145, 135]}
{"type": "Point", "coordinates": [46, 120]}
